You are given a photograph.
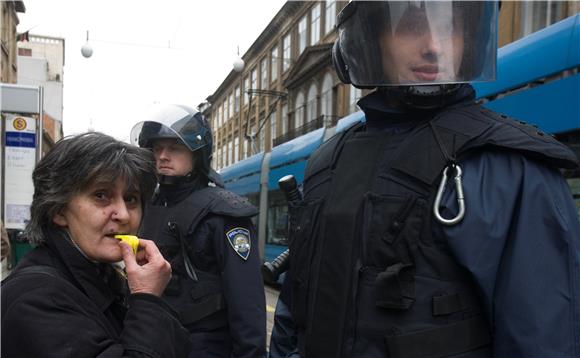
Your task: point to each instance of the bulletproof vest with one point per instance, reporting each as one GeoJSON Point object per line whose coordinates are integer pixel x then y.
{"type": "Point", "coordinates": [171, 227]}
{"type": "Point", "coordinates": [370, 278]}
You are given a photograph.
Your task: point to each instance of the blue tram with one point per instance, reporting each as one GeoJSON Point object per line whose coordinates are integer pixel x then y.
{"type": "Point", "coordinates": [538, 79]}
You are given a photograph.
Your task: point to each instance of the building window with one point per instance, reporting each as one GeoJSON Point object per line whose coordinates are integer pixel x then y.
{"type": "Point", "coordinates": [539, 14]}
{"type": "Point", "coordinates": [219, 116]}
{"type": "Point", "coordinates": [284, 118]}
{"type": "Point", "coordinates": [273, 127]}
{"type": "Point", "coordinates": [245, 147]}
{"type": "Point", "coordinates": [230, 153]}
{"type": "Point", "coordinates": [253, 144]}
{"type": "Point", "coordinates": [330, 16]}
{"type": "Point", "coordinates": [24, 52]}
{"type": "Point", "coordinates": [254, 79]}
{"type": "Point", "coordinates": [237, 99]}
{"type": "Point", "coordinates": [224, 155]}
{"type": "Point", "coordinates": [236, 149]}
{"type": "Point", "coordinates": [315, 24]}
{"type": "Point", "coordinates": [355, 94]}
{"type": "Point", "coordinates": [262, 136]}
{"type": "Point", "coordinates": [264, 73]}
{"type": "Point", "coordinates": [274, 64]}
{"type": "Point", "coordinates": [231, 104]}
{"type": "Point", "coordinates": [287, 52]}
{"type": "Point", "coordinates": [216, 158]}
{"type": "Point", "coordinates": [311, 104]}
{"type": "Point", "coordinates": [326, 104]}
{"type": "Point", "coordinates": [246, 88]}
{"type": "Point", "coordinates": [299, 110]}
{"type": "Point", "coordinates": [225, 110]}
{"type": "Point", "coordinates": [302, 35]}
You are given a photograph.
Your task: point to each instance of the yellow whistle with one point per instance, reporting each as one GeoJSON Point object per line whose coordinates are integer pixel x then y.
{"type": "Point", "coordinates": [132, 240]}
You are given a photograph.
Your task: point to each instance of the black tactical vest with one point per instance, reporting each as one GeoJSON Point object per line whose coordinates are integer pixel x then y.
{"type": "Point", "coordinates": [171, 227]}
{"type": "Point", "coordinates": [370, 279]}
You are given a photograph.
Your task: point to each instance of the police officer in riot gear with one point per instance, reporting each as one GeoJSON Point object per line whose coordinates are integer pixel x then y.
{"type": "Point", "coordinates": [206, 234]}
{"type": "Point", "coordinates": [390, 258]}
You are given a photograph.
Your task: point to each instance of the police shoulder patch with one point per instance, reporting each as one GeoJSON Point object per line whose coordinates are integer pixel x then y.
{"type": "Point", "coordinates": [239, 239]}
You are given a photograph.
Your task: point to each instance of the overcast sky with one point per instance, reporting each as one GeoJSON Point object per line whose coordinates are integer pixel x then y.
{"type": "Point", "coordinates": [171, 51]}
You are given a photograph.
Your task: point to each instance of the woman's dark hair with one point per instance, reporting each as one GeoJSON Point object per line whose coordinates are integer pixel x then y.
{"type": "Point", "coordinates": [76, 162]}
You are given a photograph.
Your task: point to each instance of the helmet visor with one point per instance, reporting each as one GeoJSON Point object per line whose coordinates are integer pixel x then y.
{"type": "Point", "coordinates": [172, 122]}
{"type": "Point", "coordinates": [418, 42]}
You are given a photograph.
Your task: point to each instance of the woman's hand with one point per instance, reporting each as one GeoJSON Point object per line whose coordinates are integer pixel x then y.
{"type": "Point", "coordinates": [148, 271]}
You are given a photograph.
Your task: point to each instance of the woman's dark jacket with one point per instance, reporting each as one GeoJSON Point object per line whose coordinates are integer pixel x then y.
{"type": "Point", "coordinates": [56, 303]}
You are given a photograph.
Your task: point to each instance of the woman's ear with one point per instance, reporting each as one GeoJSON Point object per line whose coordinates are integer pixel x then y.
{"type": "Point", "coordinates": [60, 220]}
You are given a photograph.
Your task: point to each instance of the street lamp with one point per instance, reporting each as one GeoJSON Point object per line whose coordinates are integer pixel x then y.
{"type": "Point", "coordinates": [87, 49]}
{"type": "Point", "coordinates": [239, 65]}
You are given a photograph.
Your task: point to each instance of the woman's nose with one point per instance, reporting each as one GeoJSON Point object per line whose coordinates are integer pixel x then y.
{"type": "Point", "coordinates": [120, 211]}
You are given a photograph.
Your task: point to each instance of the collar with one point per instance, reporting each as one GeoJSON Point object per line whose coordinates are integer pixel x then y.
{"type": "Point", "coordinates": [97, 280]}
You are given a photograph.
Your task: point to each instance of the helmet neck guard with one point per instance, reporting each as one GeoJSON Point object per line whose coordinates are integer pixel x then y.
{"type": "Point", "coordinates": [174, 180]}
{"type": "Point", "coordinates": [423, 97]}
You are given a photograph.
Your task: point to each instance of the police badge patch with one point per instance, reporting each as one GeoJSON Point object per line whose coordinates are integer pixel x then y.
{"type": "Point", "coordinates": [239, 238]}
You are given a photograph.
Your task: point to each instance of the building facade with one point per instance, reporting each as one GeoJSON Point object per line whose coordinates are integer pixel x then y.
{"type": "Point", "coordinates": [288, 87]}
{"type": "Point", "coordinates": [520, 18]}
{"type": "Point", "coordinates": [8, 21]}
{"type": "Point", "coordinates": [41, 63]}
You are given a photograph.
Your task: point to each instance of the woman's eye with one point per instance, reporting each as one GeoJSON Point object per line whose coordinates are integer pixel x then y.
{"type": "Point", "coordinates": [133, 200]}
{"type": "Point", "coordinates": [100, 195]}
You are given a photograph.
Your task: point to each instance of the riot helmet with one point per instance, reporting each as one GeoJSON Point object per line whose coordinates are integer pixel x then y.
{"type": "Point", "coordinates": [436, 44]}
{"type": "Point", "coordinates": [183, 123]}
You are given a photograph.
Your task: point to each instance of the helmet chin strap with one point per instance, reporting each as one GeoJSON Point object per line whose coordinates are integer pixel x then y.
{"type": "Point", "coordinates": [423, 96]}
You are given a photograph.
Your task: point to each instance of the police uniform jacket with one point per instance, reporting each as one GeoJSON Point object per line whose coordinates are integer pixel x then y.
{"type": "Point", "coordinates": [225, 308]}
{"type": "Point", "coordinates": [503, 282]}
{"type": "Point", "coordinates": [56, 303]}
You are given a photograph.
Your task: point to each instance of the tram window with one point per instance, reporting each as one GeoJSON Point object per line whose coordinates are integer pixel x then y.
{"type": "Point", "coordinates": [277, 226]}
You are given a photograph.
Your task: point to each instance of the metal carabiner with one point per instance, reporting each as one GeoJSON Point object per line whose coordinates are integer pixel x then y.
{"type": "Point", "coordinates": [460, 197]}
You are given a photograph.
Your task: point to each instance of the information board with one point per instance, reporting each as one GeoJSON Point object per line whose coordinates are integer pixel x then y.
{"type": "Point", "coordinates": [20, 159]}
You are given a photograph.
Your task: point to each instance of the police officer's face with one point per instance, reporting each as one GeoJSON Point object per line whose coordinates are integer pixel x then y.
{"type": "Point", "coordinates": [420, 49]}
{"type": "Point", "coordinates": [96, 214]}
{"type": "Point", "coordinates": [172, 158]}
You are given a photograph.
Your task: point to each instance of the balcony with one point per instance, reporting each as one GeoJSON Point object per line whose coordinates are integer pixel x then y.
{"type": "Point", "coordinates": [318, 122]}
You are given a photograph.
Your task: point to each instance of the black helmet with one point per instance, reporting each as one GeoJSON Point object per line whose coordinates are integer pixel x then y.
{"type": "Point", "coordinates": [183, 123]}
{"type": "Point", "coordinates": [373, 37]}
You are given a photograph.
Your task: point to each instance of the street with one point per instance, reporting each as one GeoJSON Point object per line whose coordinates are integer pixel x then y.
{"type": "Point", "coordinates": [271, 299]}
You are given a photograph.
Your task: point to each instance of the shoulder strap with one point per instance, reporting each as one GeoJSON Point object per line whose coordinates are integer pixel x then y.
{"type": "Point", "coordinates": [457, 132]}
{"type": "Point", "coordinates": [37, 269]}
{"type": "Point", "coordinates": [514, 134]}
{"type": "Point", "coordinates": [225, 202]}
{"type": "Point", "coordinates": [199, 204]}
{"type": "Point", "coordinates": [40, 269]}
